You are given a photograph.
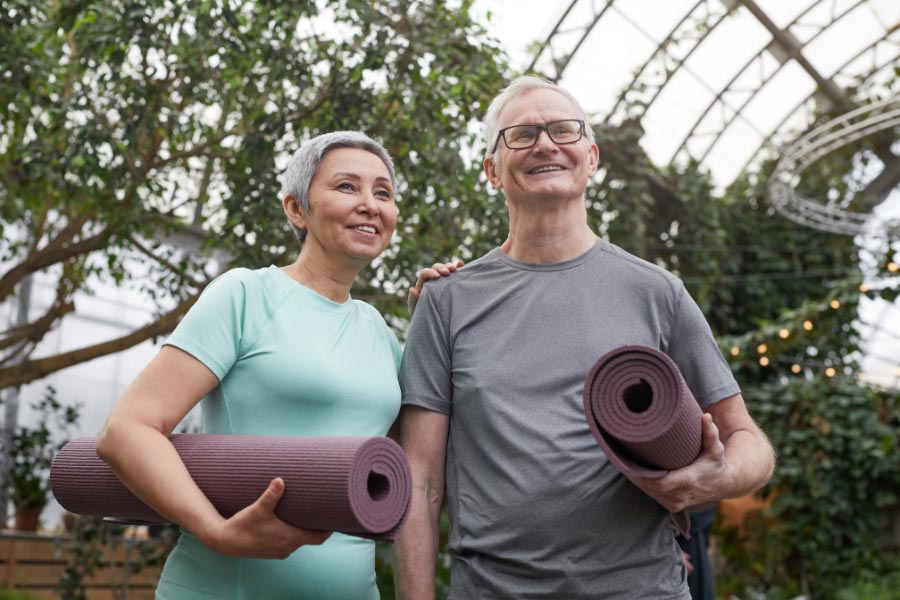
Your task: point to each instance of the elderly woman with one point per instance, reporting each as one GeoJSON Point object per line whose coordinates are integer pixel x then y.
{"type": "Point", "coordinates": [275, 351]}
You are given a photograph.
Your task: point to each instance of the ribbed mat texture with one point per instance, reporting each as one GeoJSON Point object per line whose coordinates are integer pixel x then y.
{"type": "Point", "coordinates": [358, 486]}
{"type": "Point", "coordinates": [643, 415]}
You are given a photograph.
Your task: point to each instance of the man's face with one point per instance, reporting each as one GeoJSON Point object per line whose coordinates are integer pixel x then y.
{"type": "Point", "coordinates": [546, 171]}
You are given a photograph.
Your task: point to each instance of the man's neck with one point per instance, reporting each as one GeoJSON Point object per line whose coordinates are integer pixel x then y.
{"type": "Point", "coordinates": [548, 234]}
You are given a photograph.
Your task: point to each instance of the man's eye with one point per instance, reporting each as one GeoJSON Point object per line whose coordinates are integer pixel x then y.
{"type": "Point", "coordinates": [522, 134]}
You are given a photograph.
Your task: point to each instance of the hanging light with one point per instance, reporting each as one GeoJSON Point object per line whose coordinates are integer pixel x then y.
{"type": "Point", "coordinates": [764, 361]}
{"type": "Point", "coordinates": [830, 372]}
{"type": "Point", "coordinates": [783, 334]}
{"type": "Point", "coordinates": [795, 369]}
{"type": "Point", "coordinates": [807, 325]}
{"type": "Point", "coordinates": [735, 350]}
{"type": "Point", "coordinates": [762, 348]}
{"type": "Point", "coordinates": [835, 304]}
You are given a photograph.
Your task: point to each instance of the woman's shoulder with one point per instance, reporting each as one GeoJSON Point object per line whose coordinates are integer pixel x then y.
{"type": "Point", "coordinates": [369, 312]}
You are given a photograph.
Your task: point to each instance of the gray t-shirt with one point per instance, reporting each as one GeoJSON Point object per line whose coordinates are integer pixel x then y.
{"type": "Point", "coordinates": [503, 347]}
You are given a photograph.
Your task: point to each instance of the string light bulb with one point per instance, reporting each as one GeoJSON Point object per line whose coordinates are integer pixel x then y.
{"type": "Point", "coordinates": [762, 348]}
{"type": "Point", "coordinates": [863, 288]}
{"type": "Point", "coordinates": [892, 267]}
{"type": "Point", "coordinates": [830, 372]}
{"type": "Point", "coordinates": [807, 325]}
{"type": "Point", "coordinates": [795, 369]}
{"type": "Point", "coordinates": [835, 304]}
{"type": "Point", "coordinates": [764, 361]}
{"type": "Point", "coordinates": [783, 334]}
{"type": "Point", "coordinates": [735, 351]}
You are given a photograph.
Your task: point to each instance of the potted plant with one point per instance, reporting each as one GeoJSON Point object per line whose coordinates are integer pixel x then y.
{"type": "Point", "coordinates": [33, 449]}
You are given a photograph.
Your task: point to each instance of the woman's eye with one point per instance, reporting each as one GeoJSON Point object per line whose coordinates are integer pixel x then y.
{"type": "Point", "coordinates": [384, 194]}
{"type": "Point", "coordinates": [346, 186]}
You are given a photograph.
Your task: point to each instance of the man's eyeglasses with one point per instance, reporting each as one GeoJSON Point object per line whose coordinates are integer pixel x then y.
{"type": "Point", "coordinates": [518, 137]}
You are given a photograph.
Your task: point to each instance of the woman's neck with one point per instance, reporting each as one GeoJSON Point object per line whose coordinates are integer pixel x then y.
{"type": "Point", "coordinates": [321, 277]}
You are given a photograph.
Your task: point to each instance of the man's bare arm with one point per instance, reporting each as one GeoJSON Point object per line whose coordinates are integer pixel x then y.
{"type": "Point", "coordinates": [423, 435]}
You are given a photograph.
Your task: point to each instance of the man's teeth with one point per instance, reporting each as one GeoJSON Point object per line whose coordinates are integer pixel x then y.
{"type": "Point", "coordinates": [545, 169]}
{"type": "Point", "coordinates": [366, 228]}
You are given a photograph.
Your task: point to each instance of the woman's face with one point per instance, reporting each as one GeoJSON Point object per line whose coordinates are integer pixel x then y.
{"type": "Point", "coordinates": [352, 214]}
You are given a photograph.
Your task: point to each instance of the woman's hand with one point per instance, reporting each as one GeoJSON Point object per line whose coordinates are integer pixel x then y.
{"type": "Point", "coordinates": [437, 271]}
{"type": "Point", "coordinates": [256, 532]}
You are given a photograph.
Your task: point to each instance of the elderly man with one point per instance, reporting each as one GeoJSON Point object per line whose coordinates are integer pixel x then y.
{"type": "Point", "coordinates": [492, 381]}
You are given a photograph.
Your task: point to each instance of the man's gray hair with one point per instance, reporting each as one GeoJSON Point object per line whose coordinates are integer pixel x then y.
{"type": "Point", "coordinates": [515, 89]}
{"type": "Point", "coordinates": [305, 162]}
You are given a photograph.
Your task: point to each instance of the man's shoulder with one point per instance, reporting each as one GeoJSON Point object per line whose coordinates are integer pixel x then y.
{"type": "Point", "coordinates": [622, 263]}
{"type": "Point", "coordinates": [484, 265]}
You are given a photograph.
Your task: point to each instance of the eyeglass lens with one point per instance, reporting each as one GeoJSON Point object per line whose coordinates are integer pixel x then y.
{"type": "Point", "coordinates": [560, 132]}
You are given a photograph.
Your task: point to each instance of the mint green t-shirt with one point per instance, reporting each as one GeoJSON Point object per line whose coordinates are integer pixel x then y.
{"type": "Point", "coordinates": [289, 362]}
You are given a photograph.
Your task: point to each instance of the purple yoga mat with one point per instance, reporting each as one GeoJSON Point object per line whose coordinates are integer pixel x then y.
{"type": "Point", "coordinates": [643, 415]}
{"type": "Point", "coordinates": [357, 486]}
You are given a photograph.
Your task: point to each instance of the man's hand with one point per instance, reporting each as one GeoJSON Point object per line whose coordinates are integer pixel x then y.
{"type": "Point", "coordinates": [437, 271]}
{"type": "Point", "coordinates": [687, 562]}
{"type": "Point", "coordinates": [707, 479]}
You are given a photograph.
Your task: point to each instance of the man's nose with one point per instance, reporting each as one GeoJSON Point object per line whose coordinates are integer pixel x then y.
{"type": "Point", "coordinates": [543, 141]}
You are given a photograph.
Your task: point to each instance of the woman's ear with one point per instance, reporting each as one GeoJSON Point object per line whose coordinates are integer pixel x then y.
{"type": "Point", "coordinates": [294, 211]}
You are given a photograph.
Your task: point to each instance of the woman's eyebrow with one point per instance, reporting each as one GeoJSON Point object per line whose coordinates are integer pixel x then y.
{"type": "Point", "coordinates": [348, 175]}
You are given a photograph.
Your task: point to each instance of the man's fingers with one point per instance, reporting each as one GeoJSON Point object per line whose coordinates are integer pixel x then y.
{"type": "Point", "coordinates": [711, 441]}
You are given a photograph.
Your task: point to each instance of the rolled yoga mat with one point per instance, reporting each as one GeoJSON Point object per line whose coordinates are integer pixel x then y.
{"type": "Point", "coordinates": [357, 486]}
{"type": "Point", "coordinates": [643, 415]}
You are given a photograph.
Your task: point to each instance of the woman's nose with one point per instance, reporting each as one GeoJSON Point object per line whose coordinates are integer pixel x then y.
{"type": "Point", "coordinates": [369, 203]}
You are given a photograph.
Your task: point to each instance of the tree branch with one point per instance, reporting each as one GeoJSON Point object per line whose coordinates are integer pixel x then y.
{"type": "Point", "coordinates": [36, 330]}
{"type": "Point", "coordinates": [54, 252]}
{"type": "Point", "coordinates": [162, 261]}
{"type": "Point", "coordinates": [31, 370]}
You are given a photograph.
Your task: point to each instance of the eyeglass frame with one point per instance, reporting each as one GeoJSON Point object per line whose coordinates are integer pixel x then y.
{"type": "Point", "coordinates": [540, 128]}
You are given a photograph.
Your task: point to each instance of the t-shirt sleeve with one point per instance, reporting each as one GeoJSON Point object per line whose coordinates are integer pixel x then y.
{"type": "Point", "coordinates": [396, 349]}
{"type": "Point", "coordinates": [212, 329]}
{"type": "Point", "coordinates": [694, 349]}
{"type": "Point", "coordinates": [425, 372]}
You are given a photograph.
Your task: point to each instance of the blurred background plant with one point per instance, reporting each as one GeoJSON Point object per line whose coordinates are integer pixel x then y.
{"type": "Point", "coordinates": [33, 449]}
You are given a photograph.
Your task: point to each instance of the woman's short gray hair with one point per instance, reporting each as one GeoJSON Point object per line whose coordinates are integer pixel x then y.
{"type": "Point", "coordinates": [515, 89]}
{"type": "Point", "coordinates": [302, 166]}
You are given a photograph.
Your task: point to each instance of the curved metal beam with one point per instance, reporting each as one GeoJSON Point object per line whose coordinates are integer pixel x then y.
{"type": "Point", "coordinates": [737, 112]}
{"type": "Point", "coordinates": [791, 45]}
{"type": "Point", "coordinates": [560, 64]}
{"type": "Point", "coordinates": [662, 50]}
{"type": "Point", "coordinates": [766, 144]}
{"type": "Point", "coordinates": [822, 141]}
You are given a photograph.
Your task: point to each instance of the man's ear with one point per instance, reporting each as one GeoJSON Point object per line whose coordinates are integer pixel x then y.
{"type": "Point", "coordinates": [294, 211]}
{"type": "Point", "coordinates": [593, 159]}
{"type": "Point", "coordinates": [490, 170]}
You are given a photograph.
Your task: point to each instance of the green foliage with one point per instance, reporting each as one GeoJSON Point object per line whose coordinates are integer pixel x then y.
{"type": "Point", "coordinates": [33, 449]}
{"type": "Point", "coordinates": [90, 537]}
{"type": "Point", "coordinates": [873, 588]}
{"type": "Point", "coordinates": [17, 595]}
{"type": "Point", "coordinates": [129, 126]}
{"type": "Point", "coordinates": [838, 476]}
